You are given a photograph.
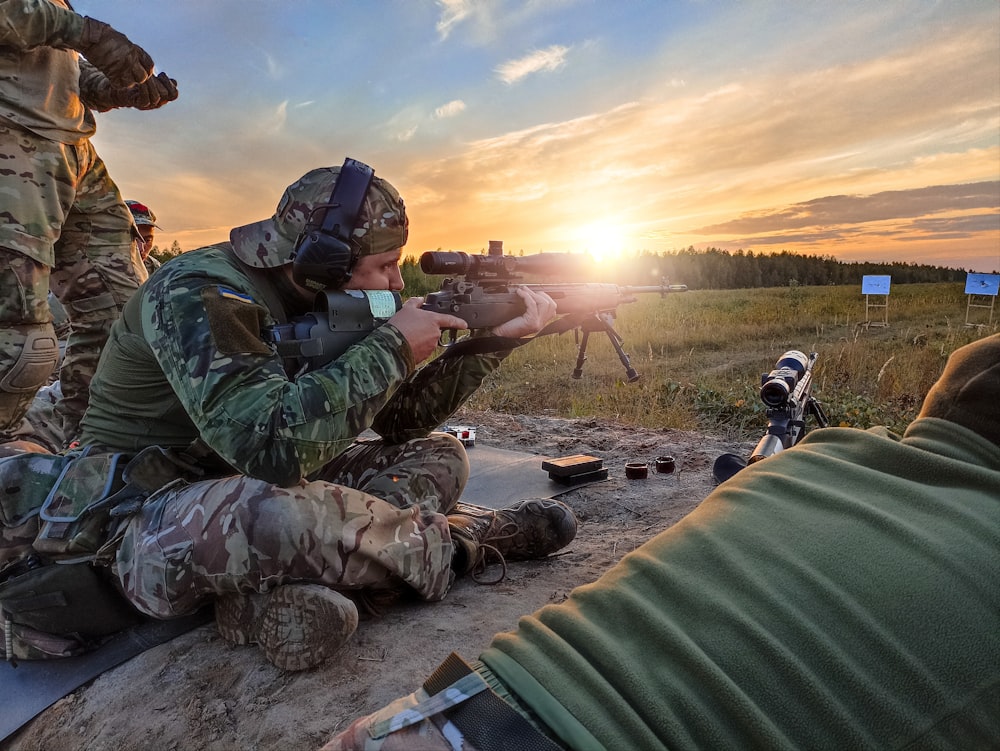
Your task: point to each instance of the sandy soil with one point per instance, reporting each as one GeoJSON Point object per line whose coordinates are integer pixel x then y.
{"type": "Point", "coordinates": [197, 692]}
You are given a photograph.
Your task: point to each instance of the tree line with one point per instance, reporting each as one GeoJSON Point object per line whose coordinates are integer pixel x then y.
{"type": "Point", "coordinates": [714, 268]}
{"type": "Point", "coordinates": [711, 268]}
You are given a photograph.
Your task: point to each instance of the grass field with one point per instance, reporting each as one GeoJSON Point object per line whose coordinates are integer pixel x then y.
{"type": "Point", "coordinates": [700, 355]}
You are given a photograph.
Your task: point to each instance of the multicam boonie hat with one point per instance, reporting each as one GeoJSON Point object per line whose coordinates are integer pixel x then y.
{"type": "Point", "coordinates": [381, 226]}
{"type": "Point", "coordinates": [142, 214]}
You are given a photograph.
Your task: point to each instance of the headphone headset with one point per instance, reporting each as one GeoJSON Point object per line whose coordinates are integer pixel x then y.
{"type": "Point", "coordinates": [323, 257]}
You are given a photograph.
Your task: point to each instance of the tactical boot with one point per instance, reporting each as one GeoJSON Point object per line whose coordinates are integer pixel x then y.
{"type": "Point", "coordinates": [298, 626]}
{"type": "Point", "coordinates": [532, 528]}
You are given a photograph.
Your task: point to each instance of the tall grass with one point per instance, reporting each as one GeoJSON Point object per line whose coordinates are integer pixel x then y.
{"type": "Point", "coordinates": [701, 354]}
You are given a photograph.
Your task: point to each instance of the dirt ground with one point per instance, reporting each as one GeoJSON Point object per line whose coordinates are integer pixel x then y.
{"type": "Point", "coordinates": [196, 692]}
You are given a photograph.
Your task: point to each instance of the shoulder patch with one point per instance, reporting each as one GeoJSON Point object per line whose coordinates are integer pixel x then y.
{"type": "Point", "coordinates": [235, 320]}
{"type": "Point", "coordinates": [232, 294]}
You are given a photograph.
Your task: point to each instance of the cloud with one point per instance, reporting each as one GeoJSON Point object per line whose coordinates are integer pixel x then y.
{"type": "Point", "coordinates": [859, 209]}
{"type": "Point", "coordinates": [275, 123]}
{"type": "Point", "coordinates": [452, 13]}
{"type": "Point", "coordinates": [452, 108]}
{"type": "Point", "coordinates": [551, 58]}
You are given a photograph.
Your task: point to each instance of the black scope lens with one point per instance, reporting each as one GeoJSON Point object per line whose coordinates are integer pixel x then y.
{"type": "Point", "coordinates": [775, 391]}
{"type": "Point", "coordinates": [777, 385]}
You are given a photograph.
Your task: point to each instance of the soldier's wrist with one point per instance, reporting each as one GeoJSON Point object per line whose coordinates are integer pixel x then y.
{"type": "Point", "coordinates": [67, 30]}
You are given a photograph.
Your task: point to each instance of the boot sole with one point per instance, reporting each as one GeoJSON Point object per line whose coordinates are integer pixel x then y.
{"type": "Point", "coordinates": [304, 624]}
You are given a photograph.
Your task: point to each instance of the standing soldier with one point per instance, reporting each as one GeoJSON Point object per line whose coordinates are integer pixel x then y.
{"type": "Point", "coordinates": [62, 220]}
{"type": "Point", "coordinates": [145, 224]}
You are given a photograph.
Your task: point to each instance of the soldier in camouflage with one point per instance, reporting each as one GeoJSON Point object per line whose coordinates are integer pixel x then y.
{"type": "Point", "coordinates": [289, 519]}
{"type": "Point", "coordinates": [63, 224]}
{"type": "Point", "coordinates": [145, 227]}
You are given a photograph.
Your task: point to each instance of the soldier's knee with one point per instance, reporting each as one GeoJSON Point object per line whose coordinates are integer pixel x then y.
{"type": "Point", "coordinates": [31, 354]}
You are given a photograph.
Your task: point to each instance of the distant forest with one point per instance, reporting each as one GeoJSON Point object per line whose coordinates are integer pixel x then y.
{"type": "Point", "coordinates": [708, 269]}
{"type": "Point", "coordinates": [721, 269]}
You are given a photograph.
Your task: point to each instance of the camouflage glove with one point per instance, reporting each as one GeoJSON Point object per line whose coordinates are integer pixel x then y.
{"type": "Point", "coordinates": [152, 94]}
{"type": "Point", "coordinates": [123, 62]}
{"type": "Point", "coordinates": [97, 92]}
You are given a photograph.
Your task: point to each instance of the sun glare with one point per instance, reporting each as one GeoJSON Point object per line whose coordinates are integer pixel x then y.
{"type": "Point", "coordinates": [603, 241]}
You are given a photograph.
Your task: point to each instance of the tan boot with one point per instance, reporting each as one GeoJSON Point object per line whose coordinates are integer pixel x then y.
{"type": "Point", "coordinates": [529, 529]}
{"type": "Point", "coordinates": [297, 626]}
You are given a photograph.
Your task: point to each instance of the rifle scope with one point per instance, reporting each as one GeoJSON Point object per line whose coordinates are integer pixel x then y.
{"type": "Point", "coordinates": [457, 263]}
{"type": "Point", "coordinates": [777, 385]}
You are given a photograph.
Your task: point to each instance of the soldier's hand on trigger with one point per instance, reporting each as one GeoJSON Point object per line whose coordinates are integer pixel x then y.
{"type": "Point", "coordinates": [539, 310]}
{"type": "Point", "coordinates": [422, 328]}
{"type": "Point", "coordinates": [122, 61]}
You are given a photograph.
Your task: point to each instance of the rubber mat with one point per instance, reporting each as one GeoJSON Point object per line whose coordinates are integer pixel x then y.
{"type": "Point", "coordinates": [35, 685]}
{"type": "Point", "coordinates": [499, 477]}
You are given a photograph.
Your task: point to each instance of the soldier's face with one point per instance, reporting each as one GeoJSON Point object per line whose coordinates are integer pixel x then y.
{"type": "Point", "coordinates": [380, 271]}
{"type": "Point", "coordinates": [146, 232]}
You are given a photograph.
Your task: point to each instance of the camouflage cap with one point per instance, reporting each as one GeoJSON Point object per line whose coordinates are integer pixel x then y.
{"type": "Point", "coordinates": [142, 214]}
{"type": "Point", "coordinates": [381, 227]}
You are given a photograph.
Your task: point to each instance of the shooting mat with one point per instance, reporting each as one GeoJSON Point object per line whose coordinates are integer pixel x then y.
{"type": "Point", "coordinates": [498, 478]}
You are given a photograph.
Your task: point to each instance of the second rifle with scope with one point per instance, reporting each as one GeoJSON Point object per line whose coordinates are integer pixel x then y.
{"type": "Point", "coordinates": [787, 395]}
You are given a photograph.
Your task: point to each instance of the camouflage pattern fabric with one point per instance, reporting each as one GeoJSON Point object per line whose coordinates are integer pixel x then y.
{"type": "Point", "coordinates": [188, 361]}
{"type": "Point", "coordinates": [40, 424]}
{"type": "Point", "coordinates": [238, 534]}
{"type": "Point", "coordinates": [405, 724]}
{"type": "Point", "coordinates": [62, 216]}
{"type": "Point", "coordinates": [311, 503]}
{"type": "Point", "coordinates": [65, 226]}
{"type": "Point", "coordinates": [39, 75]}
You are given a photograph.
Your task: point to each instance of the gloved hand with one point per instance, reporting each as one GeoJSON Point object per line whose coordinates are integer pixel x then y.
{"type": "Point", "coordinates": [123, 62]}
{"type": "Point", "coordinates": [152, 94]}
{"type": "Point", "coordinates": [97, 92]}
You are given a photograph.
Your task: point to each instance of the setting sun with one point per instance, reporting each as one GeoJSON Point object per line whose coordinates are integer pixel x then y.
{"type": "Point", "coordinates": [603, 241]}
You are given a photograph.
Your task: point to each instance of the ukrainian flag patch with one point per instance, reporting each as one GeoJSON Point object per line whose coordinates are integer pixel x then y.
{"type": "Point", "coordinates": [232, 294]}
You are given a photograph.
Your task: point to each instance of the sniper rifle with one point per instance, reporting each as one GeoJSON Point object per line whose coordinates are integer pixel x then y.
{"type": "Point", "coordinates": [481, 291]}
{"type": "Point", "coordinates": [485, 297]}
{"type": "Point", "coordinates": [787, 394]}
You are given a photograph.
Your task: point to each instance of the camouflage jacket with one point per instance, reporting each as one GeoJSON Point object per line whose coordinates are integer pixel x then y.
{"type": "Point", "coordinates": [40, 83]}
{"type": "Point", "coordinates": [188, 360]}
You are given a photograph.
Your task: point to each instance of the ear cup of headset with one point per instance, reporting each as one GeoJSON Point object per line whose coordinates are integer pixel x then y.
{"type": "Point", "coordinates": [323, 257]}
{"type": "Point", "coordinates": [321, 261]}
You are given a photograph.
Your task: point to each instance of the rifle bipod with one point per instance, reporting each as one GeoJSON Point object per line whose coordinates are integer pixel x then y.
{"type": "Point", "coordinates": [601, 322]}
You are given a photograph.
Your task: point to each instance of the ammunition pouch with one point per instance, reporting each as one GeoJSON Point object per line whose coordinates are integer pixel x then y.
{"type": "Point", "coordinates": [55, 610]}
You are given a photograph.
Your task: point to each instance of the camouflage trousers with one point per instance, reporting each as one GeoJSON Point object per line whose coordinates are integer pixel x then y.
{"type": "Point", "coordinates": [64, 227]}
{"type": "Point", "coordinates": [39, 424]}
{"type": "Point", "coordinates": [373, 518]}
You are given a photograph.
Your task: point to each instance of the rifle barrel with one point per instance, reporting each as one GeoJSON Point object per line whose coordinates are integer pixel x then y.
{"type": "Point", "coordinates": [661, 288]}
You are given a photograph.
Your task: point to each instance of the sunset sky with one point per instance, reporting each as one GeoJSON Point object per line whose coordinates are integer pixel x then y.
{"type": "Point", "coordinates": [859, 130]}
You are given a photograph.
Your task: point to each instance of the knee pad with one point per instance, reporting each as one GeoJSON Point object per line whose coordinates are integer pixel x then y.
{"type": "Point", "coordinates": [38, 356]}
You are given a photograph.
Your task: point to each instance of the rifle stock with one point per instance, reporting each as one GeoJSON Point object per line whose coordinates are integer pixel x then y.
{"type": "Point", "coordinates": [484, 306]}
